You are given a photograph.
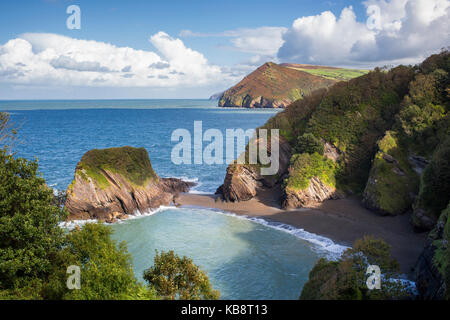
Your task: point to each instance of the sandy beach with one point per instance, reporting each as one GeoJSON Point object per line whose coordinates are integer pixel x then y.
{"type": "Point", "coordinates": [343, 221]}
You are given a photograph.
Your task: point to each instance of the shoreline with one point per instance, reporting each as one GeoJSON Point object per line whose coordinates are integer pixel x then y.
{"type": "Point", "coordinates": [343, 221]}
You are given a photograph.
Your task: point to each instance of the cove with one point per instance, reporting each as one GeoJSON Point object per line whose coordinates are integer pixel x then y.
{"type": "Point", "coordinates": [243, 259]}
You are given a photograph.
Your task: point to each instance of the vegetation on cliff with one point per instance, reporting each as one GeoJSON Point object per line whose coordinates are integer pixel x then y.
{"type": "Point", "coordinates": [306, 166]}
{"type": "Point", "coordinates": [441, 241]}
{"type": "Point", "coordinates": [345, 279]}
{"type": "Point", "coordinates": [132, 163]}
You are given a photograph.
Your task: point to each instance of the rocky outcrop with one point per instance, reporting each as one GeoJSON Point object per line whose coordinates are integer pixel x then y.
{"type": "Point", "coordinates": [433, 266]}
{"type": "Point", "coordinates": [111, 184]}
{"type": "Point", "coordinates": [243, 181]}
{"type": "Point", "coordinates": [392, 184]}
{"type": "Point", "coordinates": [429, 282]}
{"type": "Point", "coordinates": [272, 86]}
{"type": "Point", "coordinates": [316, 192]}
{"type": "Point", "coordinates": [253, 102]}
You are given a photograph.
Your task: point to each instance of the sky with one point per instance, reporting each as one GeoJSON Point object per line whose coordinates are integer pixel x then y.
{"type": "Point", "coordinates": [192, 49]}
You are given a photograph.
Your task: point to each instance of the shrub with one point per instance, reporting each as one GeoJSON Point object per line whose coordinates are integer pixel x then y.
{"type": "Point", "coordinates": [308, 143]}
{"type": "Point", "coordinates": [345, 279]}
{"type": "Point", "coordinates": [179, 278]}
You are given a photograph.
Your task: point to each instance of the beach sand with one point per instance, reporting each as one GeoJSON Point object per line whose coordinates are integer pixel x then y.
{"type": "Point", "coordinates": [342, 221]}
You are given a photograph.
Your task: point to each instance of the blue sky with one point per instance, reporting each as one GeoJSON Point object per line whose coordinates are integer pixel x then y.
{"type": "Point", "coordinates": [222, 40]}
{"type": "Point", "coordinates": [130, 23]}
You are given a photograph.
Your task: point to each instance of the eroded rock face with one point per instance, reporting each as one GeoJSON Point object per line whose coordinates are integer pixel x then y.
{"type": "Point", "coordinates": [429, 281]}
{"type": "Point", "coordinates": [243, 181]}
{"type": "Point", "coordinates": [316, 192]}
{"type": "Point", "coordinates": [117, 197]}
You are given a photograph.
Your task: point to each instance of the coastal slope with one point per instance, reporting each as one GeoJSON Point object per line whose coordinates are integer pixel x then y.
{"type": "Point", "coordinates": [383, 137]}
{"type": "Point", "coordinates": [272, 86]}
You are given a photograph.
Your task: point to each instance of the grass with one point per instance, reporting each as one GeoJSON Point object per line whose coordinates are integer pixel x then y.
{"type": "Point", "coordinates": [132, 163]}
{"type": "Point", "coordinates": [334, 73]}
{"type": "Point", "coordinates": [306, 166]}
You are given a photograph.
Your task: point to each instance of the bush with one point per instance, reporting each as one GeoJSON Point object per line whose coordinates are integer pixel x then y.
{"type": "Point", "coordinates": [308, 143]}
{"type": "Point", "coordinates": [106, 269]}
{"type": "Point", "coordinates": [345, 279]}
{"type": "Point", "coordinates": [305, 166]}
{"type": "Point", "coordinates": [179, 278]}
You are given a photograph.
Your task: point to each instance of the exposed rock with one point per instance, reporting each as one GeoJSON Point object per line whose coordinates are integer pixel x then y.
{"type": "Point", "coordinates": [243, 181]}
{"type": "Point", "coordinates": [102, 190]}
{"type": "Point", "coordinates": [389, 158]}
{"type": "Point", "coordinates": [419, 163]}
{"type": "Point", "coordinates": [431, 265]}
{"type": "Point", "coordinates": [429, 282]}
{"type": "Point", "coordinates": [316, 192]}
{"type": "Point", "coordinates": [331, 152]}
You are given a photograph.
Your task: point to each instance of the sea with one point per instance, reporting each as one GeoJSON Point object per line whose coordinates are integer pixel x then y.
{"type": "Point", "coordinates": [245, 258]}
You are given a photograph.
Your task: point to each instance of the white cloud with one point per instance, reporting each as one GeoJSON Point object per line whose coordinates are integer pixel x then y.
{"type": "Point", "coordinates": [408, 31]}
{"type": "Point", "coordinates": [51, 59]}
{"type": "Point", "coordinates": [264, 41]}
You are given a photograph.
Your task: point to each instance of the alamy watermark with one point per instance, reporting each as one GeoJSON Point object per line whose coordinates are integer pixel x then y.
{"type": "Point", "coordinates": [189, 150]}
{"type": "Point", "coordinates": [74, 20]}
{"type": "Point", "coordinates": [374, 279]}
{"type": "Point", "coordinates": [74, 280]}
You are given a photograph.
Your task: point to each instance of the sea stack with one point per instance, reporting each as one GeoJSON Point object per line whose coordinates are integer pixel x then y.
{"type": "Point", "coordinates": [111, 184]}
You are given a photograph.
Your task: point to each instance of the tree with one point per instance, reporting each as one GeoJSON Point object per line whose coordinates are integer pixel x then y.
{"type": "Point", "coordinates": [345, 279]}
{"type": "Point", "coordinates": [173, 277]}
{"type": "Point", "coordinates": [7, 133]}
{"type": "Point", "coordinates": [35, 252]}
{"type": "Point", "coordinates": [106, 268]}
{"type": "Point", "coordinates": [30, 237]}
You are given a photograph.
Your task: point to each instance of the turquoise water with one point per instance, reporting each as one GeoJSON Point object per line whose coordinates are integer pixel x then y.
{"type": "Point", "coordinates": [244, 259]}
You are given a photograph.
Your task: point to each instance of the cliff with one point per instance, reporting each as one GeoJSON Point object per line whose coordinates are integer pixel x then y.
{"type": "Point", "coordinates": [114, 183]}
{"type": "Point", "coordinates": [272, 86]}
{"type": "Point", "coordinates": [383, 137]}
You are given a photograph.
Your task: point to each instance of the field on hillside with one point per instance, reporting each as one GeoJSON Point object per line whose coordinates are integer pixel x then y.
{"type": "Point", "coordinates": [332, 73]}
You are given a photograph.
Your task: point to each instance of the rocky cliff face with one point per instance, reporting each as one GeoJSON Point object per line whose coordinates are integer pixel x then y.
{"type": "Point", "coordinates": [112, 184]}
{"type": "Point", "coordinates": [272, 86]}
{"type": "Point", "coordinates": [243, 181]}
{"type": "Point", "coordinates": [316, 192]}
{"type": "Point", "coordinates": [433, 266]}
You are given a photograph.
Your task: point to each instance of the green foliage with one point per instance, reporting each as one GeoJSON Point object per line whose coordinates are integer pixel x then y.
{"type": "Point", "coordinates": [106, 268]}
{"type": "Point", "coordinates": [345, 279]}
{"type": "Point", "coordinates": [35, 252]}
{"type": "Point", "coordinates": [308, 143]}
{"type": "Point", "coordinates": [441, 258]}
{"type": "Point", "coordinates": [392, 179]}
{"type": "Point", "coordinates": [434, 193]}
{"type": "Point", "coordinates": [134, 164]}
{"type": "Point", "coordinates": [333, 73]}
{"type": "Point", "coordinates": [179, 278]}
{"type": "Point", "coordinates": [305, 166]}
{"type": "Point", "coordinates": [29, 234]}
